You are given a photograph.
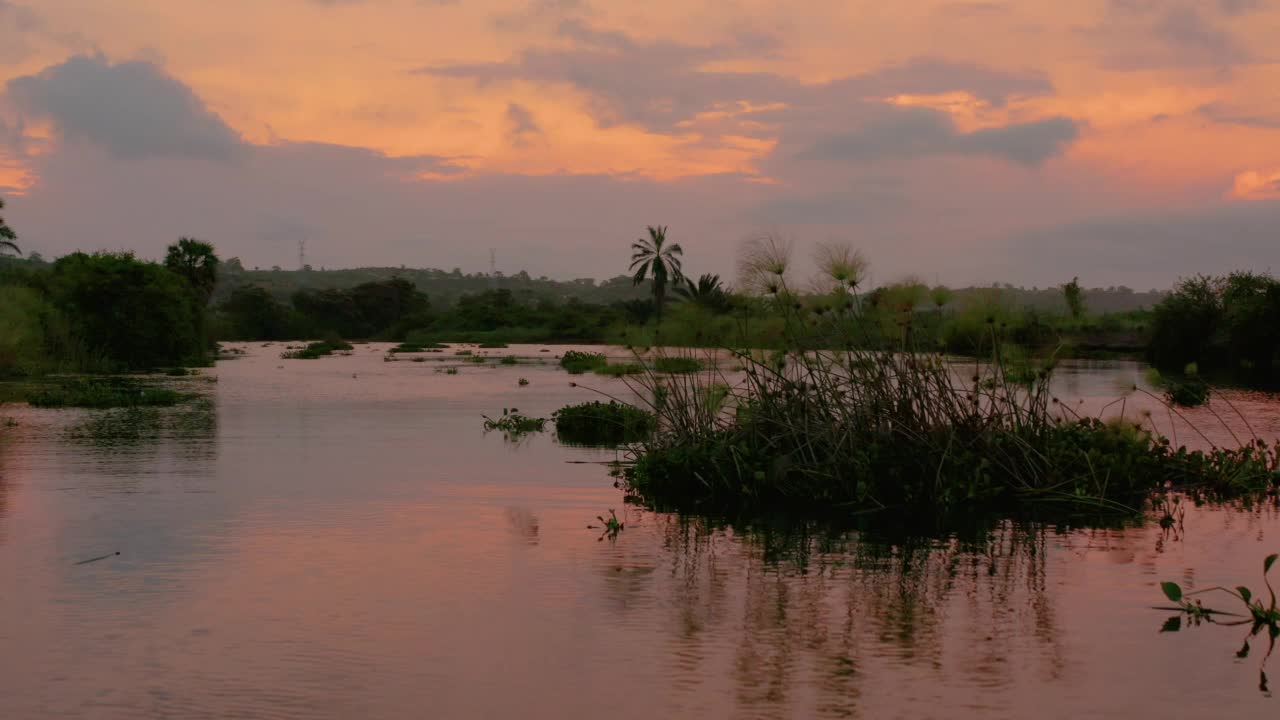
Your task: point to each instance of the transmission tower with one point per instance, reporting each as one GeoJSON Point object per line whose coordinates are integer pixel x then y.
{"type": "Point", "coordinates": [302, 254]}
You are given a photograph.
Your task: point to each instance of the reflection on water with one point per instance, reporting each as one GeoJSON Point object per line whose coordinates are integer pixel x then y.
{"type": "Point", "coordinates": [339, 538]}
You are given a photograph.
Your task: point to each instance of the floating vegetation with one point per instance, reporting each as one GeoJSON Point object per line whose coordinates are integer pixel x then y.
{"type": "Point", "coordinates": [577, 362]}
{"type": "Point", "coordinates": [610, 526]}
{"type": "Point", "coordinates": [602, 424]}
{"type": "Point", "coordinates": [462, 353]}
{"type": "Point", "coordinates": [619, 369]}
{"type": "Point", "coordinates": [491, 345]}
{"type": "Point", "coordinates": [408, 347]}
{"type": "Point", "coordinates": [317, 350]}
{"type": "Point", "coordinates": [447, 370]}
{"type": "Point", "coordinates": [522, 382]}
{"type": "Point", "coordinates": [477, 359]}
{"type": "Point", "coordinates": [509, 360]}
{"type": "Point", "coordinates": [105, 393]}
{"type": "Point", "coordinates": [1260, 616]}
{"type": "Point", "coordinates": [677, 364]}
{"type": "Point", "coordinates": [513, 424]}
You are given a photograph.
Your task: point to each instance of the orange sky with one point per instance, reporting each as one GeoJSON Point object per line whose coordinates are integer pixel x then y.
{"type": "Point", "coordinates": [1063, 112]}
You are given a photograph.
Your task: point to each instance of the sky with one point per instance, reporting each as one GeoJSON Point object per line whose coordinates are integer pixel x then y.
{"type": "Point", "coordinates": [1127, 142]}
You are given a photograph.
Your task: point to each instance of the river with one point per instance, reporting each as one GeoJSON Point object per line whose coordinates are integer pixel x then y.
{"type": "Point", "coordinates": [339, 538]}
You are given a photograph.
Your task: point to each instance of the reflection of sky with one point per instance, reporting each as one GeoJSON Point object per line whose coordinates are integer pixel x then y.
{"type": "Point", "coordinates": [357, 547]}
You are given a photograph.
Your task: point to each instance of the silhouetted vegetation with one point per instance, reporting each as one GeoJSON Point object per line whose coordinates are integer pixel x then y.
{"type": "Point", "coordinates": [1224, 325]}
{"type": "Point", "coordinates": [104, 393]}
{"type": "Point", "coordinates": [602, 423]}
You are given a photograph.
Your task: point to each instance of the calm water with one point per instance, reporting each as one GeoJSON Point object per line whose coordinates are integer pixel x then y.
{"type": "Point", "coordinates": [339, 539]}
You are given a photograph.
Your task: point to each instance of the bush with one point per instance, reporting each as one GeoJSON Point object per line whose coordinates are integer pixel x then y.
{"type": "Point", "coordinates": [602, 424]}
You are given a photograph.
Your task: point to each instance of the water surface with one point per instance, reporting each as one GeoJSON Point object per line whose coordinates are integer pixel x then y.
{"type": "Point", "coordinates": [338, 538]}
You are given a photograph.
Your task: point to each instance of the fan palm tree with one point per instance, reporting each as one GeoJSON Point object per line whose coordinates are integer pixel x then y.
{"type": "Point", "coordinates": [196, 262]}
{"type": "Point", "coordinates": [7, 235]}
{"type": "Point", "coordinates": [708, 292]}
{"type": "Point", "coordinates": [652, 256]}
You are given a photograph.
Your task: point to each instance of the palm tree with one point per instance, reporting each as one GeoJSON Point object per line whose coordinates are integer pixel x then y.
{"type": "Point", "coordinates": [196, 262]}
{"type": "Point", "coordinates": [708, 292]}
{"type": "Point", "coordinates": [652, 256]}
{"type": "Point", "coordinates": [7, 235]}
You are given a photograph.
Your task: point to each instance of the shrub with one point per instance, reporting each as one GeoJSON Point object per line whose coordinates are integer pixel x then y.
{"type": "Point", "coordinates": [599, 423]}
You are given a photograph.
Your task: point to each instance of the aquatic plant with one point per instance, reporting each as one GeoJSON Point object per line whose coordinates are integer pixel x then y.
{"type": "Point", "coordinates": [408, 347]}
{"type": "Point", "coordinates": [492, 345]}
{"type": "Point", "coordinates": [509, 360]}
{"type": "Point", "coordinates": [462, 353]}
{"type": "Point", "coordinates": [522, 382]}
{"type": "Point", "coordinates": [1261, 616]}
{"type": "Point", "coordinates": [610, 526]}
{"type": "Point", "coordinates": [316, 350]}
{"type": "Point", "coordinates": [602, 423]}
{"type": "Point", "coordinates": [619, 369]}
{"type": "Point", "coordinates": [512, 423]}
{"type": "Point", "coordinates": [578, 362]}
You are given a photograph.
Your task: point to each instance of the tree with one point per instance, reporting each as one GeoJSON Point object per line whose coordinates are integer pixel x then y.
{"type": "Point", "coordinates": [708, 293]}
{"type": "Point", "coordinates": [1074, 296]}
{"type": "Point", "coordinates": [129, 313]}
{"type": "Point", "coordinates": [7, 235]}
{"type": "Point", "coordinates": [196, 262]}
{"type": "Point", "coordinates": [652, 256]}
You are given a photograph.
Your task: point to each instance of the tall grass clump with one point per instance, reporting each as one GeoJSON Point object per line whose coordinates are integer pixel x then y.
{"type": "Point", "coordinates": [104, 393]}
{"type": "Point", "coordinates": [868, 426]}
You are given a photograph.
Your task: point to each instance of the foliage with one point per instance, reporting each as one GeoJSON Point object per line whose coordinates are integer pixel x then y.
{"type": "Point", "coordinates": [577, 362]}
{"type": "Point", "coordinates": [653, 257]}
{"type": "Point", "coordinates": [619, 369]}
{"type": "Point", "coordinates": [196, 263]}
{"type": "Point", "coordinates": [897, 426]}
{"type": "Point", "coordinates": [133, 314]}
{"type": "Point", "coordinates": [708, 292]}
{"type": "Point", "coordinates": [317, 350]}
{"type": "Point", "coordinates": [1074, 297]}
{"type": "Point", "coordinates": [602, 424]}
{"type": "Point", "coordinates": [1224, 324]}
{"type": "Point", "coordinates": [7, 236]}
{"type": "Point", "coordinates": [513, 424]}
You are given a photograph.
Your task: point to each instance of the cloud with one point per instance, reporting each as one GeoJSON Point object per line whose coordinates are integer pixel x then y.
{"type": "Point", "coordinates": [910, 132]}
{"type": "Point", "coordinates": [1220, 113]}
{"type": "Point", "coordinates": [522, 128]}
{"type": "Point", "coordinates": [1257, 185]}
{"type": "Point", "coordinates": [1150, 249]}
{"type": "Point", "coordinates": [1149, 34]}
{"type": "Point", "coordinates": [662, 85]}
{"type": "Point", "coordinates": [132, 109]}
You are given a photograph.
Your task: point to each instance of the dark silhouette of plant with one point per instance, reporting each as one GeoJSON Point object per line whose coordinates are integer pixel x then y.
{"type": "Point", "coordinates": [7, 235]}
{"type": "Point", "coordinates": [196, 262]}
{"type": "Point", "coordinates": [1074, 296]}
{"type": "Point", "coordinates": [653, 256]}
{"type": "Point", "coordinates": [708, 293]}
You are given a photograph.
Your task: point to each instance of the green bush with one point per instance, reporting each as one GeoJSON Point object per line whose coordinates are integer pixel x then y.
{"type": "Point", "coordinates": [602, 424]}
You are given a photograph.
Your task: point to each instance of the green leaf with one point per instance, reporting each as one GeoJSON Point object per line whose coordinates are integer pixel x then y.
{"type": "Point", "coordinates": [1266, 564]}
{"type": "Point", "coordinates": [1173, 624]}
{"type": "Point", "coordinates": [1172, 591]}
{"type": "Point", "coordinates": [1244, 593]}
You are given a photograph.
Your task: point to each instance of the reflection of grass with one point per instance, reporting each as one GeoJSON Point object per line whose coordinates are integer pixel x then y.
{"type": "Point", "coordinates": [98, 393]}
